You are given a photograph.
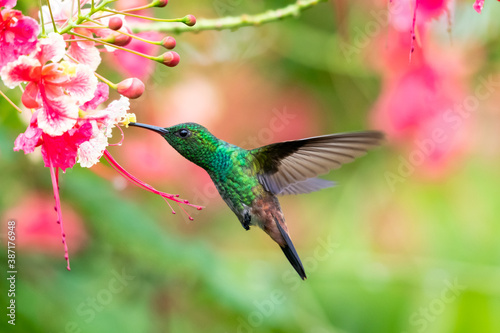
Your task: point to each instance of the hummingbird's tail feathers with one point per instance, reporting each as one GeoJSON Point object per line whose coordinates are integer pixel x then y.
{"type": "Point", "coordinates": [290, 253]}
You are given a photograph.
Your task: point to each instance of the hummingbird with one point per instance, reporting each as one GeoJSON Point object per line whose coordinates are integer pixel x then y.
{"type": "Point", "coordinates": [249, 181]}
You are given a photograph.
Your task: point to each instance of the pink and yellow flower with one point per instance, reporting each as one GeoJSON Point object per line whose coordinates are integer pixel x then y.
{"type": "Point", "coordinates": [56, 87]}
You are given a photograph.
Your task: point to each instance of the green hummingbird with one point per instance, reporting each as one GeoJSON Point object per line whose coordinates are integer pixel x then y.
{"type": "Point", "coordinates": [249, 181]}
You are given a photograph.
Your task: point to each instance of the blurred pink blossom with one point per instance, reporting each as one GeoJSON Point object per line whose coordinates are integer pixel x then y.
{"type": "Point", "coordinates": [478, 6]}
{"type": "Point", "coordinates": [36, 227]}
{"type": "Point", "coordinates": [133, 65]}
{"type": "Point", "coordinates": [419, 100]}
{"type": "Point", "coordinates": [130, 64]}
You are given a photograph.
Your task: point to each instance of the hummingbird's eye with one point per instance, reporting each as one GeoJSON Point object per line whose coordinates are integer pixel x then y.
{"type": "Point", "coordinates": [183, 133]}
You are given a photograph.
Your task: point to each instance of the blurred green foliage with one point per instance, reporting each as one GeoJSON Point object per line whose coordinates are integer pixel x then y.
{"type": "Point", "coordinates": [421, 258]}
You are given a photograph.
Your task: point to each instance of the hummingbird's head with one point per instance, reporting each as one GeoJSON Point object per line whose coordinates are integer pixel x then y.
{"type": "Point", "coordinates": [191, 140]}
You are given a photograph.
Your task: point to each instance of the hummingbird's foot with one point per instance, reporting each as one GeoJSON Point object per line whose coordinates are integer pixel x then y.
{"type": "Point", "coordinates": [246, 221]}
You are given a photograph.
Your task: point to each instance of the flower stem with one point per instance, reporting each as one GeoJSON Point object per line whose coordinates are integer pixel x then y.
{"type": "Point", "coordinates": [52, 16]}
{"type": "Point", "coordinates": [138, 8]}
{"type": "Point", "coordinates": [100, 25]}
{"type": "Point", "coordinates": [41, 19]}
{"type": "Point", "coordinates": [10, 102]}
{"type": "Point", "coordinates": [231, 22]}
{"type": "Point", "coordinates": [68, 25]}
{"type": "Point", "coordinates": [144, 17]}
{"type": "Point", "coordinates": [90, 26]}
{"type": "Point", "coordinates": [103, 79]}
{"type": "Point", "coordinates": [113, 45]}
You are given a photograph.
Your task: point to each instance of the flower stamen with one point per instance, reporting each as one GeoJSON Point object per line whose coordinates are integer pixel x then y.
{"type": "Point", "coordinates": [55, 185]}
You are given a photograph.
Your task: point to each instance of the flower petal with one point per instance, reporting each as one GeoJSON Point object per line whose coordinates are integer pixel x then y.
{"type": "Point", "coordinates": [30, 96]}
{"type": "Point", "coordinates": [57, 116]}
{"type": "Point", "coordinates": [82, 86]}
{"type": "Point", "coordinates": [8, 3]}
{"type": "Point", "coordinates": [51, 48]}
{"type": "Point", "coordinates": [30, 139]}
{"type": "Point", "coordinates": [90, 152]}
{"type": "Point", "coordinates": [89, 56]}
{"type": "Point", "coordinates": [478, 6]}
{"type": "Point", "coordinates": [113, 114]}
{"type": "Point", "coordinates": [101, 95]}
{"type": "Point", "coordinates": [61, 150]}
{"type": "Point", "coordinates": [18, 35]}
{"type": "Point", "coordinates": [22, 70]}
{"type": "Point", "coordinates": [117, 110]}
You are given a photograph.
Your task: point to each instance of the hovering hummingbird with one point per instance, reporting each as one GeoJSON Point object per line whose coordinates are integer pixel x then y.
{"type": "Point", "coordinates": [250, 180]}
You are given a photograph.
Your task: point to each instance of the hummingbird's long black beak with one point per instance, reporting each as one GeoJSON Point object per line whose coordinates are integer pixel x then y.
{"type": "Point", "coordinates": [159, 130]}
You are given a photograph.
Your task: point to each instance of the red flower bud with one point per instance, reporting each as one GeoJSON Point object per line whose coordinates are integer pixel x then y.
{"type": "Point", "coordinates": [115, 23]}
{"type": "Point", "coordinates": [131, 87]}
{"type": "Point", "coordinates": [160, 3]}
{"type": "Point", "coordinates": [168, 42]}
{"type": "Point", "coordinates": [170, 58]}
{"type": "Point", "coordinates": [118, 38]}
{"type": "Point", "coordinates": [190, 20]}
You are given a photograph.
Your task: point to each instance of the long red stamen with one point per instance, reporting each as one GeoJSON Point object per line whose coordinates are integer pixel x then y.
{"type": "Point", "coordinates": [121, 140]}
{"type": "Point", "coordinates": [185, 212]}
{"type": "Point", "coordinates": [55, 185]}
{"type": "Point", "coordinates": [413, 37]}
{"type": "Point", "coordinates": [144, 185]}
{"type": "Point", "coordinates": [169, 205]}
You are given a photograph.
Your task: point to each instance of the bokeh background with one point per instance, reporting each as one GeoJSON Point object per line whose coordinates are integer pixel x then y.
{"type": "Point", "coordinates": [407, 241]}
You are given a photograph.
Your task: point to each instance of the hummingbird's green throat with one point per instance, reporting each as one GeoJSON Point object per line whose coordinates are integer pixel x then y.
{"type": "Point", "coordinates": [249, 181]}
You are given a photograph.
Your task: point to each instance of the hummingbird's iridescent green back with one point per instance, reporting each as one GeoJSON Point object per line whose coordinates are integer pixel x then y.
{"type": "Point", "coordinates": [231, 168]}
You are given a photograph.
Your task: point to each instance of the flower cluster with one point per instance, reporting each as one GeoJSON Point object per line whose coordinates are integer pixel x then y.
{"type": "Point", "coordinates": [54, 63]}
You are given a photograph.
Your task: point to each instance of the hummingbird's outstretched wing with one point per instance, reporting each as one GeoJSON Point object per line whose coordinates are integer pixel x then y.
{"type": "Point", "coordinates": [289, 167]}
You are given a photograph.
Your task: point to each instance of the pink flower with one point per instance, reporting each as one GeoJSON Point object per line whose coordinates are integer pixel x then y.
{"type": "Point", "coordinates": [8, 3]}
{"type": "Point", "coordinates": [18, 33]}
{"type": "Point", "coordinates": [415, 111]}
{"type": "Point", "coordinates": [57, 151]}
{"type": "Point", "coordinates": [101, 95]}
{"type": "Point", "coordinates": [31, 138]}
{"type": "Point", "coordinates": [58, 88]}
{"type": "Point", "coordinates": [85, 54]}
{"type": "Point", "coordinates": [430, 9]}
{"type": "Point", "coordinates": [403, 11]}
{"type": "Point", "coordinates": [103, 121]}
{"type": "Point", "coordinates": [478, 6]}
{"type": "Point", "coordinates": [413, 16]}
{"type": "Point", "coordinates": [87, 140]}
{"type": "Point", "coordinates": [61, 151]}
